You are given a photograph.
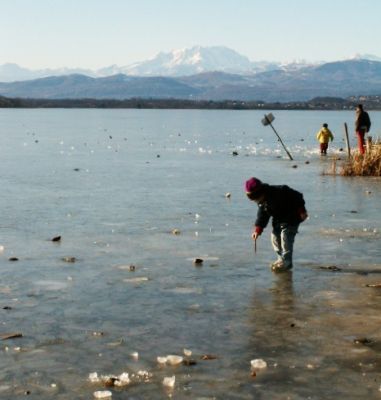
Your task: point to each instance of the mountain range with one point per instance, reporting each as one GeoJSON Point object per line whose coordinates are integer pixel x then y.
{"type": "Point", "coordinates": [215, 73]}
{"type": "Point", "coordinates": [180, 62]}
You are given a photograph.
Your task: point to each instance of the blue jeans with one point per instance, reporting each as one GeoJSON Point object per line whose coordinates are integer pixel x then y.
{"type": "Point", "coordinates": [282, 239]}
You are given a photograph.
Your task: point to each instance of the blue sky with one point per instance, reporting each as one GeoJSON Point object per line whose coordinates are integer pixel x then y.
{"type": "Point", "coordinates": [98, 33]}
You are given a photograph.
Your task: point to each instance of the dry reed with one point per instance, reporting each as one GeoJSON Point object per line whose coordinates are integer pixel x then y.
{"type": "Point", "coordinates": [368, 164]}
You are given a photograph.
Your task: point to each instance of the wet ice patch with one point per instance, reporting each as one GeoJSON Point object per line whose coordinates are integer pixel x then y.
{"type": "Point", "coordinates": [351, 233]}
{"type": "Point", "coordinates": [113, 223]}
{"type": "Point", "coordinates": [139, 279]}
{"type": "Point", "coordinates": [52, 285]}
{"type": "Point", "coordinates": [327, 294]}
{"type": "Point", "coordinates": [185, 290]}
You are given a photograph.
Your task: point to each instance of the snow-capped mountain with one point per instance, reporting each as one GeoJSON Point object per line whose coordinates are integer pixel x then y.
{"type": "Point", "coordinates": [370, 57]}
{"type": "Point", "coordinates": [192, 61]}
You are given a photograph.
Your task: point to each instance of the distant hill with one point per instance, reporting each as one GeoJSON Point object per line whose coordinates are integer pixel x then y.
{"type": "Point", "coordinates": [81, 86]}
{"type": "Point", "coordinates": [336, 79]}
{"type": "Point", "coordinates": [11, 72]}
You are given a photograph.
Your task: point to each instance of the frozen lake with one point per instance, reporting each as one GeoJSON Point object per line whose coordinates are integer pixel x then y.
{"type": "Point", "coordinates": [115, 184]}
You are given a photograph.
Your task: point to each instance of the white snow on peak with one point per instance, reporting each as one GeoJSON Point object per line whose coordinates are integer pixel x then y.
{"type": "Point", "coordinates": [370, 57]}
{"type": "Point", "coordinates": [192, 60]}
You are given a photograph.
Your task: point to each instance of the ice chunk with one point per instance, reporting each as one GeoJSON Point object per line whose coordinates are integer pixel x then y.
{"type": "Point", "coordinates": [187, 352]}
{"type": "Point", "coordinates": [258, 364]}
{"type": "Point", "coordinates": [136, 280]}
{"type": "Point", "coordinates": [161, 360]}
{"type": "Point", "coordinates": [174, 360]}
{"type": "Point", "coordinates": [102, 394]}
{"type": "Point", "coordinates": [122, 380]}
{"type": "Point", "coordinates": [169, 381]}
{"type": "Point", "coordinates": [144, 375]}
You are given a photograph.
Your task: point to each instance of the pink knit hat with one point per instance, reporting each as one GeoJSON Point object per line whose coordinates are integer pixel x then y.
{"type": "Point", "coordinates": [253, 185]}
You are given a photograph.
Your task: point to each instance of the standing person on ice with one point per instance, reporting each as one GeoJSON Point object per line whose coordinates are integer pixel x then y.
{"type": "Point", "coordinates": [362, 126]}
{"type": "Point", "coordinates": [287, 208]}
{"type": "Point", "coordinates": [324, 136]}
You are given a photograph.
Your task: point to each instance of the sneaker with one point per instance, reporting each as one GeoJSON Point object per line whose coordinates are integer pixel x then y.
{"type": "Point", "coordinates": [281, 267]}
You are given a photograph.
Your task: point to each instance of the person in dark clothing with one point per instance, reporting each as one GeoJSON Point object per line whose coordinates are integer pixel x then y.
{"type": "Point", "coordinates": [362, 126]}
{"type": "Point", "coordinates": [286, 207]}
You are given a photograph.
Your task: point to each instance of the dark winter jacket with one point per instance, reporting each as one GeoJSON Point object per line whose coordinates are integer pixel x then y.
{"type": "Point", "coordinates": [362, 121]}
{"type": "Point", "coordinates": [283, 204]}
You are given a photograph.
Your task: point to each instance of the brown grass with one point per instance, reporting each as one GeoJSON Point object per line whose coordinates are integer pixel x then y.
{"type": "Point", "coordinates": [368, 164]}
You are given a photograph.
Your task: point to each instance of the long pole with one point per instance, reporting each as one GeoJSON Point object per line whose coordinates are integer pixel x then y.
{"type": "Point", "coordinates": [347, 139]}
{"type": "Point", "coordinates": [269, 122]}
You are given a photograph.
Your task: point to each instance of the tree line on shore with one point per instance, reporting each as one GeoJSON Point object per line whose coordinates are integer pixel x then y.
{"type": "Point", "coordinates": [319, 103]}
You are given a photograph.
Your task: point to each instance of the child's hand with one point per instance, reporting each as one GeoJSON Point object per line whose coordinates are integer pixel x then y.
{"type": "Point", "coordinates": [255, 235]}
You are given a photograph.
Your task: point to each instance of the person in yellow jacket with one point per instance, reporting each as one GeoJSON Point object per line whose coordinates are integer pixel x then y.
{"type": "Point", "coordinates": [324, 136]}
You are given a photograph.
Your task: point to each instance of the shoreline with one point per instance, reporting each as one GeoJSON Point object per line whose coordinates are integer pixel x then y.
{"type": "Point", "coordinates": [371, 103]}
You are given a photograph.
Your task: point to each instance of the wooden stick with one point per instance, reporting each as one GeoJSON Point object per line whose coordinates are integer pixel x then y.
{"type": "Point", "coordinates": [347, 139]}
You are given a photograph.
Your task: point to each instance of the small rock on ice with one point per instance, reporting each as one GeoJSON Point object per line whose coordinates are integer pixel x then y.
{"type": "Point", "coordinates": [69, 259]}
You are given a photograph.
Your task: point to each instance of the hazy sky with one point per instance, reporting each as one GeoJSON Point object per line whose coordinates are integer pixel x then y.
{"type": "Point", "coordinates": [98, 33]}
